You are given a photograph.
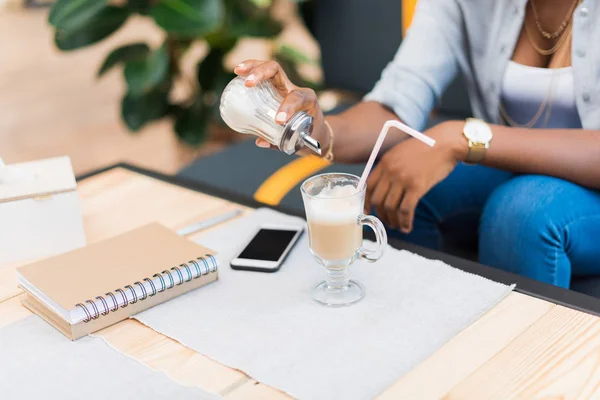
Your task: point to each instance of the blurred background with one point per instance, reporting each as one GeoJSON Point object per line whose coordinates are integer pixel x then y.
{"type": "Point", "coordinates": [163, 66]}
{"type": "Point", "coordinates": [138, 81]}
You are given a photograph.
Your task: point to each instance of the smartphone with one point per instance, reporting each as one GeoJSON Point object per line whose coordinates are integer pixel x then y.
{"type": "Point", "coordinates": [267, 248]}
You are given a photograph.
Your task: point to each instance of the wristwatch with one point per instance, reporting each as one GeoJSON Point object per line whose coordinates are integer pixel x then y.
{"type": "Point", "coordinates": [479, 135]}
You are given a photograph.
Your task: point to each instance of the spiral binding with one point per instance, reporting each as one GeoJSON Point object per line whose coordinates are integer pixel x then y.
{"type": "Point", "coordinates": [201, 265]}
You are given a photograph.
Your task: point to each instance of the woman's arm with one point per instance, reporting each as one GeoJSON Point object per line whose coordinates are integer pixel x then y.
{"type": "Point", "coordinates": [409, 87]}
{"type": "Point", "coordinates": [355, 132]}
{"type": "Point", "coordinates": [570, 154]}
{"type": "Point", "coordinates": [410, 169]}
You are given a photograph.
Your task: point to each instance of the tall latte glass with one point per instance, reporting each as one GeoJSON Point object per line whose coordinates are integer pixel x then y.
{"type": "Point", "coordinates": [335, 225]}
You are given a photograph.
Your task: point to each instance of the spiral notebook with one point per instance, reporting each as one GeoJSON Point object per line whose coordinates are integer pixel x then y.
{"type": "Point", "coordinates": [103, 283]}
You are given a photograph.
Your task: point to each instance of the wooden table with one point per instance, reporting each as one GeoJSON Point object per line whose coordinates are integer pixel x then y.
{"type": "Point", "coordinates": [525, 347]}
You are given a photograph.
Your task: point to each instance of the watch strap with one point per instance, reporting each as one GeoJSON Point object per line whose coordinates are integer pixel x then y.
{"type": "Point", "coordinates": [476, 153]}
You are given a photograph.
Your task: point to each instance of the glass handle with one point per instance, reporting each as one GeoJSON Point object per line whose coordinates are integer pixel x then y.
{"type": "Point", "coordinates": [380, 235]}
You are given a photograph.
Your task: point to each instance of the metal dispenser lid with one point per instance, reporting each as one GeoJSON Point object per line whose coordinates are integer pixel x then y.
{"type": "Point", "coordinates": [296, 134]}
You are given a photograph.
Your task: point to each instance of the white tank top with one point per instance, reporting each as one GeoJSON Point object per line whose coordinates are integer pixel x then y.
{"type": "Point", "coordinates": [524, 88]}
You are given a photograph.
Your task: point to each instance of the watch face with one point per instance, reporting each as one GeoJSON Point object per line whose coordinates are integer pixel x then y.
{"type": "Point", "coordinates": [478, 131]}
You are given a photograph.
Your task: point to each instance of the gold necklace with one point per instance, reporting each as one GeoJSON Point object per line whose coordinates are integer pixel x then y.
{"type": "Point", "coordinates": [531, 123]}
{"type": "Point", "coordinates": [545, 106]}
{"type": "Point", "coordinates": [544, 52]}
{"type": "Point", "coordinates": [561, 28]}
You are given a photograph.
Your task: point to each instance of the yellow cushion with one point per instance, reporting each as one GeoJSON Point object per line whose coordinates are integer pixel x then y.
{"type": "Point", "coordinates": [278, 185]}
{"type": "Point", "coordinates": [408, 10]}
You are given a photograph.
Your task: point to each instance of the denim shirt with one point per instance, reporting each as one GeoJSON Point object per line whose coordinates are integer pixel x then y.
{"type": "Point", "coordinates": [477, 38]}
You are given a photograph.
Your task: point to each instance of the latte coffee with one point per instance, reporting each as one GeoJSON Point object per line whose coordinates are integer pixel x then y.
{"type": "Point", "coordinates": [334, 212]}
{"type": "Point", "coordinates": [333, 226]}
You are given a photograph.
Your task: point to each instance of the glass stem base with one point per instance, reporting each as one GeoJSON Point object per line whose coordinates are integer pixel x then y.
{"type": "Point", "coordinates": [338, 290]}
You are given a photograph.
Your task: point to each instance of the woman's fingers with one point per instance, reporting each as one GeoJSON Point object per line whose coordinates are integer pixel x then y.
{"type": "Point", "coordinates": [406, 211]}
{"type": "Point", "coordinates": [379, 194]}
{"type": "Point", "coordinates": [391, 204]}
{"type": "Point", "coordinates": [243, 67]}
{"type": "Point", "coordinates": [257, 71]}
{"type": "Point", "coordinates": [264, 144]}
{"type": "Point", "coordinates": [299, 99]}
{"type": "Point", "coordinates": [295, 98]}
{"type": "Point", "coordinates": [372, 180]}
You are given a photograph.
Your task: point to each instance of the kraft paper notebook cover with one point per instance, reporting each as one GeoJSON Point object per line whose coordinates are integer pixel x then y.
{"type": "Point", "coordinates": [103, 283]}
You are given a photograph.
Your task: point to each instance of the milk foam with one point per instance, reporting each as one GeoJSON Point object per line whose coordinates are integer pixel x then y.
{"type": "Point", "coordinates": [337, 191]}
{"type": "Point", "coordinates": [340, 206]}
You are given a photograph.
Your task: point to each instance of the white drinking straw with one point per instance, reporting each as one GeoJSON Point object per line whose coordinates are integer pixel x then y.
{"type": "Point", "coordinates": [386, 127]}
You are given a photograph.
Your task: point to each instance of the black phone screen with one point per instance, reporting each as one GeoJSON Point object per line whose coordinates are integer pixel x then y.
{"type": "Point", "coordinates": [268, 244]}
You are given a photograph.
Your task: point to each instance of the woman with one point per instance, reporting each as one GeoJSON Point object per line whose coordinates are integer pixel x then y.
{"type": "Point", "coordinates": [533, 74]}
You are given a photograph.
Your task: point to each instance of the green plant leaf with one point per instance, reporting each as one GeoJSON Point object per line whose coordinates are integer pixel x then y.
{"type": "Point", "coordinates": [295, 55]}
{"type": "Point", "coordinates": [245, 19]}
{"type": "Point", "coordinates": [221, 39]}
{"type": "Point", "coordinates": [122, 54]}
{"type": "Point", "coordinates": [137, 111]}
{"type": "Point", "coordinates": [210, 68]}
{"type": "Point", "coordinates": [102, 25]}
{"type": "Point", "coordinates": [291, 70]}
{"type": "Point", "coordinates": [193, 124]}
{"type": "Point", "coordinates": [262, 3]}
{"type": "Point", "coordinates": [71, 15]}
{"type": "Point", "coordinates": [145, 73]}
{"type": "Point", "coordinates": [139, 6]}
{"type": "Point", "coordinates": [188, 17]}
{"type": "Point", "coordinates": [263, 26]}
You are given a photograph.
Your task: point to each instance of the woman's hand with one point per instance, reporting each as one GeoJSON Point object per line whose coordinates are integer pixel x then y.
{"type": "Point", "coordinates": [408, 170]}
{"type": "Point", "coordinates": [295, 98]}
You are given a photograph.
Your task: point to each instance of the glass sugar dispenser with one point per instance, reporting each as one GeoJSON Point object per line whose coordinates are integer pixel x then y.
{"type": "Point", "coordinates": [252, 110]}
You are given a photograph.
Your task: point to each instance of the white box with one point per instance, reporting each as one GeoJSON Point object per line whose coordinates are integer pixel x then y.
{"type": "Point", "coordinates": [40, 214]}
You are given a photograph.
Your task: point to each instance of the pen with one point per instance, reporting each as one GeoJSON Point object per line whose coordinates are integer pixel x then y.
{"type": "Point", "coordinates": [207, 223]}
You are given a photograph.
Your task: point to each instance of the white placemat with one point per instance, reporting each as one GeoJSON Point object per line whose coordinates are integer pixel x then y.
{"type": "Point", "coordinates": [38, 362]}
{"type": "Point", "coordinates": [266, 325]}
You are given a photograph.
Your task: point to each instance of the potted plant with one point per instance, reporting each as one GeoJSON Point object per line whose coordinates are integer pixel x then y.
{"type": "Point", "coordinates": [150, 73]}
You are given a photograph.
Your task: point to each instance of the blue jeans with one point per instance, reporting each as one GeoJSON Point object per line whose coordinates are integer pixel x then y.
{"type": "Point", "coordinates": [538, 226]}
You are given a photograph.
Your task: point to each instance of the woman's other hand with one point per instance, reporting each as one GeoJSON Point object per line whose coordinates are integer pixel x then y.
{"type": "Point", "coordinates": [295, 98]}
{"type": "Point", "coordinates": [409, 170]}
